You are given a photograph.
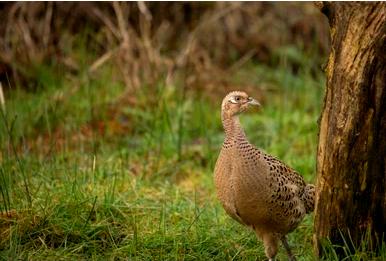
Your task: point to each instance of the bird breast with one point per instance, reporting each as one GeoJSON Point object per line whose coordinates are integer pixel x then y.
{"type": "Point", "coordinates": [240, 183]}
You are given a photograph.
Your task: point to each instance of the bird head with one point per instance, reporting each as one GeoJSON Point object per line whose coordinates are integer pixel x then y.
{"type": "Point", "coordinates": [237, 102]}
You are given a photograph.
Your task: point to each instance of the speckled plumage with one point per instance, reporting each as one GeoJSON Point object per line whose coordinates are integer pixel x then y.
{"type": "Point", "coordinates": [255, 188]}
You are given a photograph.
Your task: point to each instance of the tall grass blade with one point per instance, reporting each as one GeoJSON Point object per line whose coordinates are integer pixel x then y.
{"type": "Point", "coordinates": [9, 129]}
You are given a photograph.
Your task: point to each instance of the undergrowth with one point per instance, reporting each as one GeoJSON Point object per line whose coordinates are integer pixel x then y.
{"type": "Point", "coordinates": [89, 171]}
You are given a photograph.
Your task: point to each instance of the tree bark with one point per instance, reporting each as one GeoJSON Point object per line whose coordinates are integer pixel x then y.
{"type": "Point", "coordinates": [351, 159]}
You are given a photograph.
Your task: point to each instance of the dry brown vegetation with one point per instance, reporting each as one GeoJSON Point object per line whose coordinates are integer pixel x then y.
{"type": "Point", "coordinates": [153, 42]}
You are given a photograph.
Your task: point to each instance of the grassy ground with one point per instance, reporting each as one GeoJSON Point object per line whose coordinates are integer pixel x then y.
{"type": "Point", "coordinates": [88, 172]}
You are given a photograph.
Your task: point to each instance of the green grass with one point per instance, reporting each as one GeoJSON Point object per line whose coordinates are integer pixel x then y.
{"type": "Point", "coordinates": [140, 187]}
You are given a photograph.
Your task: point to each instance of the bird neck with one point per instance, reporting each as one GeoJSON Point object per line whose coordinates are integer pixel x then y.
{"type": "Point", "coordinates": [232, 127]}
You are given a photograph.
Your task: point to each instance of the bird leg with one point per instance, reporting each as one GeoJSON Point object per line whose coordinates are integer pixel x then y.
{"type": "Point", "coordinates": [291, 257]}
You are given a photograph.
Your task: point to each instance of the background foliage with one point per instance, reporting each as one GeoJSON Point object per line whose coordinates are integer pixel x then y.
{"type": "Point", "coordinates": [151, 42]}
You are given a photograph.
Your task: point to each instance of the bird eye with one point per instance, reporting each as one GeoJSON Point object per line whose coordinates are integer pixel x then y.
{"type": "Point", "coordinates": [235, 99]}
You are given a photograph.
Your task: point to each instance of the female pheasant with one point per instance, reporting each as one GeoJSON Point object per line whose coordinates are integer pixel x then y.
{"type": "Point", "coordinates": [255, 188]}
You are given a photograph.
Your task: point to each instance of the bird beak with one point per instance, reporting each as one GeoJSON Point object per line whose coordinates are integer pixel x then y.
{"type": "Point", "coordinates": [252, 101]}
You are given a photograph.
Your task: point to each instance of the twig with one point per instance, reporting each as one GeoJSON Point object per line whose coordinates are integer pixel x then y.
{"type": "Point", "coordinates": [181, 59]}
{"type": "Point", "coordinates": [121, 22]}
{"type": "Point", "coordinates": [106, 20]}
{"type": "Point", "coordinates": [101, 60]}
{"type": "Point", "coordinates": [47, 25]}
{"type": "Point", "coordinates": [144, 10]}
{"type": "Point", "coordinates": [27, 38]}
{"type": "Point", "coordinates": [2, 100]}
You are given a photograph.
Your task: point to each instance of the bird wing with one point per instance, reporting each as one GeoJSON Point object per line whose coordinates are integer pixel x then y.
{"type": "Point", "coordinates": [287, 188]}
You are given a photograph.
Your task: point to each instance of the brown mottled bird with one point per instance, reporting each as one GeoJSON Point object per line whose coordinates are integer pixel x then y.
{"type": "Point", "coordinates": [255, 188]}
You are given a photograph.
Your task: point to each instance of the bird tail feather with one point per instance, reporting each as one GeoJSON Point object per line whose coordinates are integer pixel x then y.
{"type": "Point", "coordinates": [309, 197]}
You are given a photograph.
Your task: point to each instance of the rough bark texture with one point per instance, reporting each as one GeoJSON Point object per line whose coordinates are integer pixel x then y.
{"type": "Point", "coordinates": [351, 160]}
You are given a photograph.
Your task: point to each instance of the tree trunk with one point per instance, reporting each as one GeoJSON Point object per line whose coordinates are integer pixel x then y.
{"type": "Point", "coordinates": [351, 160]}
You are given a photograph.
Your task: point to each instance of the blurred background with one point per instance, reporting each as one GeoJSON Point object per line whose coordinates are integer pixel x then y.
{"type": "Point", "coordinates": [149, 43]}
{"type": "Point", "coordinates": [110, 121]}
